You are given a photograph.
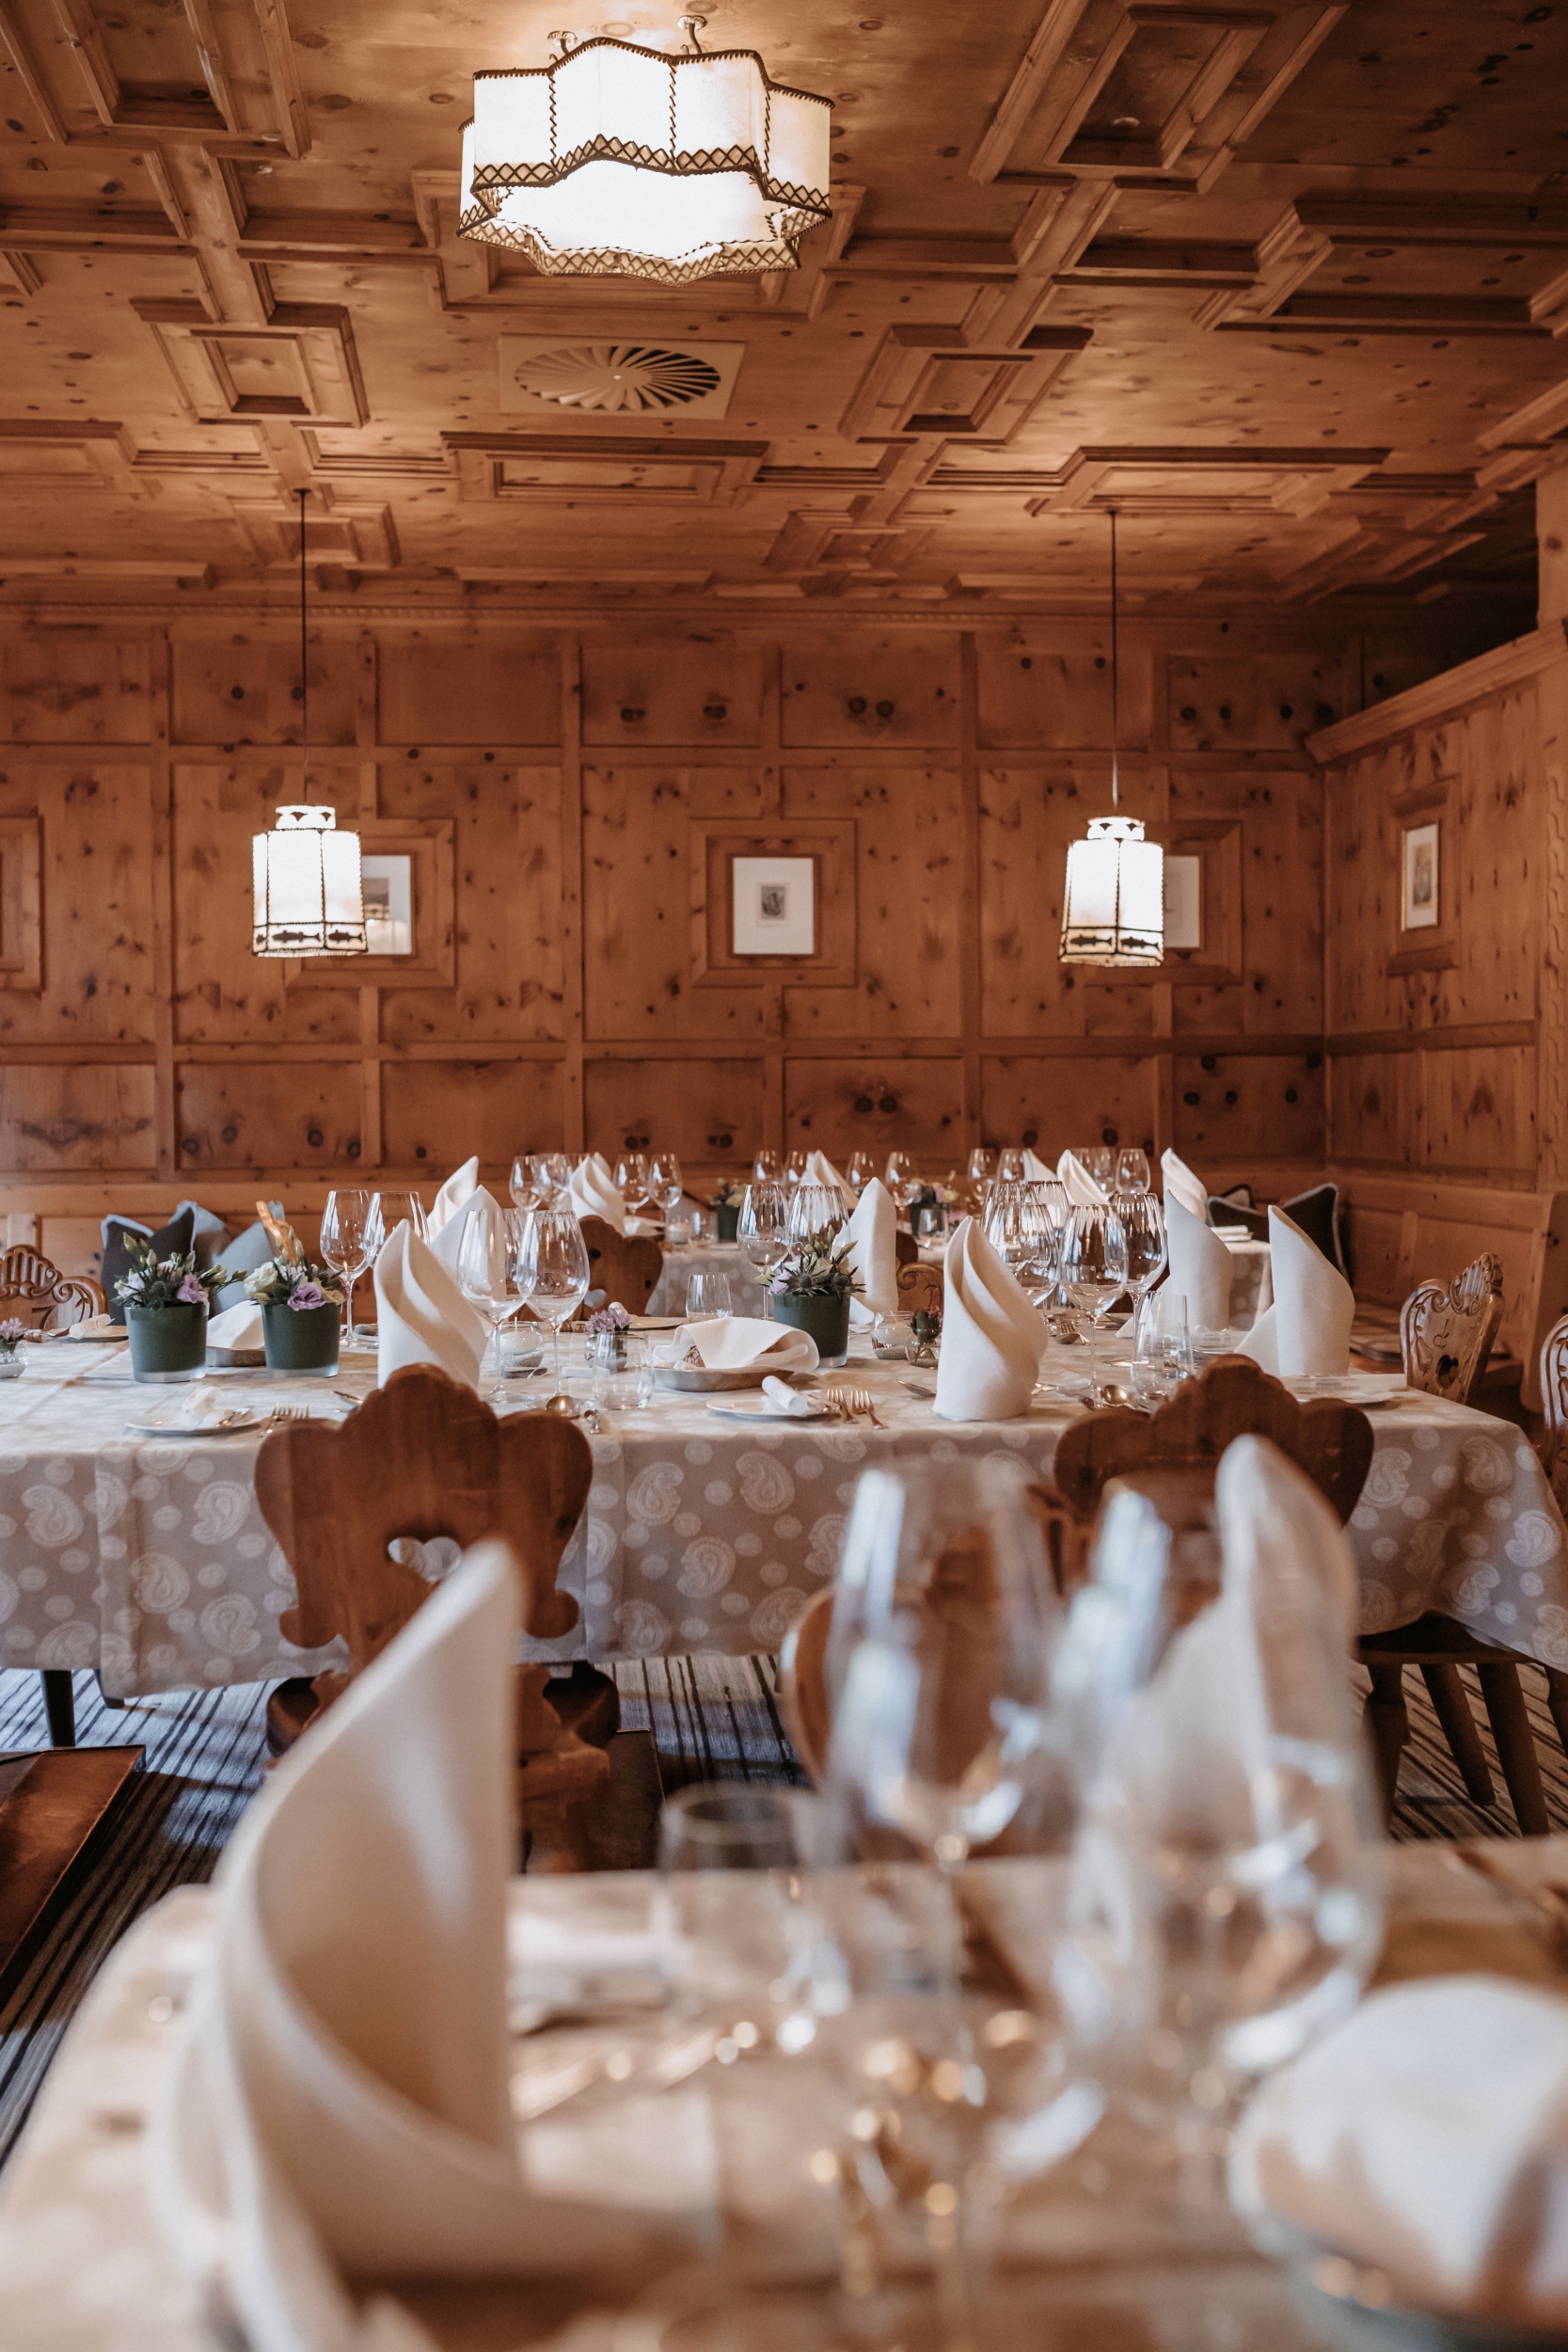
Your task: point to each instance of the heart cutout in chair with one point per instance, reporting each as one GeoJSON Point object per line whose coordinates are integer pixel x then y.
{"type": "Point", "coordinates": [434, 1561]}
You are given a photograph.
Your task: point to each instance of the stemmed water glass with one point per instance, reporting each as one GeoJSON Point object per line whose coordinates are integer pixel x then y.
{"type": "Point", "coordinates": [762, 1230]}
{"type": "Point", "coordinates": [1130, 1173]}
{"type": "Point", "coordinates": [666, 1186]}
{"type": "Point", "coordinates": [1015, 1226]}
{"type": "Point", "coordinates": [768, 1168]}
{"type": "Point", "coordinates": [1144, 1226]}
{"type": "Point", "coordinates": [982, 1163]}
{"type": "Point", "coordinates": [862, 1168]}
{"type": "Point", "coordinates": [388, 1210]}
{"type": "Point", "coordinates": [796, 1166]}
{"type": "Point", "coordinates": [902, 1177]}
{"type": "Point", "coordinates": [346, 1244]}
{"type": "Point", "coordinates": [1094, 1272]}
{"type": "Point", "coordinates": [631, 1177]}
{"type": "Point", "coordinates": [1009, 1166]}
{"type": "Point", "coordinates": [525, 1186]}
{"type": "Point", "coordinates": [1099, 1160]}
{"type": "Point", "coordinates": [488, 1260]}
{"type": "Point", "coordinates": [815, 1208]}
{"type": "Point", "coordinates": [552, 1270]}
{"type": "Point", "coordinates": [551, 1173]}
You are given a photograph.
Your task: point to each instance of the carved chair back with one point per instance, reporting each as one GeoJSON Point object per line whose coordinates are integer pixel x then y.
{"type": "Point", "coordinates": [34, 1290]}
{"type": "Point", "coordinates": [625, 1266]}
{"type": "Point", "coordinates": [1447, 1335]}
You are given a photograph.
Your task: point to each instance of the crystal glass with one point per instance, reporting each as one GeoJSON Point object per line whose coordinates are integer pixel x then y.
{"type": "Point", "coordinates": [862, 1168]}
{"type": "Point", "coordinates": [666, 1186]}
{"type": "Point", "coordinates": [902, 1177]}
{"type": "Point", "coordinates": [815, 1208]}
{"type": "Point", "coordinates": [982, 1163]}
{"type": "Point", "coordinates": [527, 1190]}
{"type": "Point", "coordinates": [390, 1210]}
{"type": "Point", "coordinates": [1015, 1226]}
{"type": "Point", "coordinates": [763, 1230]}
{"type": "Point", "coordinates": [768, 1168]}
{"type": "Point", "coordinates": [707, 1293]}
{"type": "Point", "coordinates": [631, 1178]}
{"type": "Point", "coordinates": [1162, 1349]}
{"type": "Point", "coordinates": [346, 1244]}
{"type": "Point", "coordinates": [795, 1167]}
{"type": "Point", "coordinates": [1131, 1172]}
{"type": "Point", "coordinates": [1009, 1166]}
{"type": "Point", "coordinates": [553, 1270]}
{"type": "Point", "coordinates": [1143, 1224]}
{"type": "Point", "coordinates": [489, 1274]}
{"type": "Point", "coordinates": [551, 1173]}
{"type": "Point", "coordinates": [1100, 1161]}
{"type": "Point", "coordinates": [1094, 1272]}
{"type": "Point", "coordinates": [1042, 1276]}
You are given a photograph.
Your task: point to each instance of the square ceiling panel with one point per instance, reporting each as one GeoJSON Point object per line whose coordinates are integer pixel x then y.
{"type": "Point", "coordinates": [576, 375]}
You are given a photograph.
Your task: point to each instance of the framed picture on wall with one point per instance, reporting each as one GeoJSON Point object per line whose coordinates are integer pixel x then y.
{"type": "Point", "coordinates": [1419, 904]}
{"type": "Point", "coordinates": [775, 906]}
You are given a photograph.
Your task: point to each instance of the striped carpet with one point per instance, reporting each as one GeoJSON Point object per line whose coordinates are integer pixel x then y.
{"type": "Point", "coordinates": [711, 1717]}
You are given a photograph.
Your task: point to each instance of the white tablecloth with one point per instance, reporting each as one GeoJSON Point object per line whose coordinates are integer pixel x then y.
{"type": "Point", "coordinates": [148, 1558]}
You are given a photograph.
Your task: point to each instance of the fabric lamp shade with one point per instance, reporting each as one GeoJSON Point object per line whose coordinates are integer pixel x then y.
{"type": "Point", "coordinates": [619, 161]}
{"type": "Point", "coordinates": [306, 886]}
{"type": "Point", "coordinates": [1112, 910]}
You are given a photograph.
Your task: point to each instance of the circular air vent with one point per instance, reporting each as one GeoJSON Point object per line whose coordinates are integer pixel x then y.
{"type": "Point", "coordinates": [617, 377]}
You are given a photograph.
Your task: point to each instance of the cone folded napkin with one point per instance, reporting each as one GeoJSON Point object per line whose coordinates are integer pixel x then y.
{"type": "Point", "coordinates": [992, 1338]}
{"type": "Point", "coordinates": [820, 1171]}
{"type": "Point", "coordinates": [873, 1253]}
{"type": "Point", "coordinates": [1081, 1190]}
{"type": "Point", "coordinates": [460, 1185]}
{"type": "Point", "coordinates": [449, 1241]}
{"type": "Point", "coordinates": [1034, 1168]}
{"type": "Point", "coordinates": [1181, 1184]}
{"type": "Point", "coordinates": [1200, 1268]}
{"type": "Point", "coordinates": [339, 2107]}
{"type": "Point", "coordinates": [421, 1316]}
{"type": "Point", "coordinates": [1305, 1333]}
{"type": "Point", "coordinates": [593, 1192]}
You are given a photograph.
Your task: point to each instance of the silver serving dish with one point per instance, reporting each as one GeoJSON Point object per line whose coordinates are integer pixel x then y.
{"type": "Point", "coordinates": [698, 1382]}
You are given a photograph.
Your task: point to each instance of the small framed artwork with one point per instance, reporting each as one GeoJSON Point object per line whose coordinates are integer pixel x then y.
{"type": "Point", "coordinates": [386, 887]}
{"type": "Point", "coordinates": [775, 906]}
{"type": "Point", "coordinates": [1418, 910]}
{"type": "Point", "coordinates": [1184, 895]}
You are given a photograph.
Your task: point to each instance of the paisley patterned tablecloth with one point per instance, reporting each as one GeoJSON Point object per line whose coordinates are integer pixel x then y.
{"type": "Point", "coordinates": [148, 1559]}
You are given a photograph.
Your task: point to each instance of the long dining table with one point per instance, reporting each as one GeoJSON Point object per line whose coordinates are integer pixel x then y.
{"type": "Point", "coordinates": [148, 1558]}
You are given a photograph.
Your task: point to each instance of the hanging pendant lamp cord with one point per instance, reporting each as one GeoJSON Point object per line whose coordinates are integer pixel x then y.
{"type": "Point", "coordinates": [1115, 715]}
{"type": "Point", "coordinates": [303, 669]}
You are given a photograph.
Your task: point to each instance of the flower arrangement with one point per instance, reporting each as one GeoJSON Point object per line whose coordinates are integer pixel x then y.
{"type": "Point", "coordinates": [928, 1209]}
{"type": "Point", "coordinates": [611, 1318]}
{"type": "Point", "coordinates": [729, 1195]}
{"type": "Point", "coordinates": [815, 1269]}
{"type": "Point", "coordinates": [294, 1282]}
{"type": "Point", "coordinates": [11, 1332]}
{"type": "Point", "coordinates": [178, 1281]}
{"type": "Point", "coordinates": [606, 1330]}
{"type": "Point", "coordinates": [929, 1196]}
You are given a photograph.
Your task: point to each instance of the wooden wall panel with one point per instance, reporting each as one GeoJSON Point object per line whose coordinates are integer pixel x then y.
{"type": "Point", "coordinates": [1479, 1110]}
{"type": "Point", "coordinates": [510, 974]}
{"type": "Point", "coordinates": [223, 994]}
{"type": "Point", "coordinates": [450, 686]}
{"type": "Point", "coordinates": [908, 903]}
{"type": "Point", "coordinates": [841, 1106]}
{"type": "Point", "coordinates": [705, 687]}
{"type": "Point", "coordinates": [1055, 1103]}
{"type": "Point", "coordinates": [705, 1112]}
{"type": "Point", "coordinates": [1374, 1108]}
{"type": "Point", "coordinates": [1027, 819]}
{"type": "Point", "coordinates": [1280, 814]}
{"type": "Point", "coordinates": [437, 1112]}
{"type": "Point", "coordinates": [1242, 700]}
{"type": "Point", "coordinates": [96, 891]}
{"type": "Point", "coordinates": [77, 1118]}
{"type": "Point", "coordinates": [266, 1114]}
{"type": "Point", "coordinates": [1048, 689]}
{"type": "Point", "coordinates": [236, 687]}
{"type": "Point", "coordinates": [75, 685]}
{"type": "Point", "coordinates": [1242, 1106]}
{"type": "Point", "coordinates": [855, 689]}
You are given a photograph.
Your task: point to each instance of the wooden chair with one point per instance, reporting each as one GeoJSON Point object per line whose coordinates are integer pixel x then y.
{"type": "Point", "coordinates": [920, 1290]}
{"type": "Point", "coordinates": [1447, 1337]}
{"type": "Point", "coordinates": [424, 1457]}
{"type": "Point", "coordinates": [624, 1267]}
{"type": "Point", "coordinates": [905, 1249]}
{"type": "Point", "coordinates": [37, 1292]}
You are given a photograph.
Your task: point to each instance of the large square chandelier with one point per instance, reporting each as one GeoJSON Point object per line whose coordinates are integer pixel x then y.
{"type": "Point", "coordinates": [619, 161]}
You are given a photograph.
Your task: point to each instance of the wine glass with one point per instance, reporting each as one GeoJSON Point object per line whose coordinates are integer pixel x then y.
{"type": "Point", "coordinates": [1094, 1272]}
{"type": "Point", "coordinates": [390, 1210]}
{"type": "Point", "coordinates": [903, 1176]}
{"type": "Point", "coordinates": [1131, 1172]}
{"type": "Point", "coordinates": [526, 1189]}
{"type": "Point", "coordinates": [488, 1261]}
{"type": "Point", "coordinates": [551, 1173]}
{"type": "Point", "coordinates": [762, 1230]}
{"type": "Point", "coordinates": [345, 1244]}
{"type": "Point", "coordinates": [982, 1163]}
{"type": "Point", "coordinates": [796, 1166]}
{"type": "Point", "coordinates": [1143, 1226]}
{"type": "Point", "coordinates": [1009, 1166]}
{"type": "Point", "coordinates": [631, 1177]}
{"type": "Point", "coordinates": [1099, 1160]}
{"type": "Point", "coordinates": [768, 1168]}
{"type": "Point", "coordinates": [666, 1186]}
{"type": "Point", "coordinates": [816, 1209]}
{"type": "Point", "coordinates": [862, 1168]}
{"type": "Point", "coordinates": [552, 1270]}
{"type": "Point", "coordinates": [1013, 1225]}
{"type": "Point", "coordinates": [707, 1293]}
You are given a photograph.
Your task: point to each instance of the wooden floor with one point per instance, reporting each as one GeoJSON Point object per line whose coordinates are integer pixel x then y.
{"type": "Point", "coordinates": [711, 1717]}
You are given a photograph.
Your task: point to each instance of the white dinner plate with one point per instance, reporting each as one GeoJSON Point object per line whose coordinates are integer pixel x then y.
{"type": "Point", "coordinates": [1354, 1388]}
{"type": "Point", "coordinates": [171, 1428]}
{"type": "Point", "coordinates": [98, 1339]}
{"type": "Point", "coordinates": [759, 1408]}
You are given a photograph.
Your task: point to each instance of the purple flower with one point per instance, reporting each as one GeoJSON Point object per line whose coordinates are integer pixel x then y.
{"type": "Point", "coordinates": [779, 1285]}
{"type": "Point", "coordinates": [305, 1295]}
{"type": "Point", "coordinates": [190, 1293]}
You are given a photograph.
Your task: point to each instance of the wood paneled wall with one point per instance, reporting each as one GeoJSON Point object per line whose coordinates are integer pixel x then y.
{"type": "Point", "coordinates": [574, 789]}
{"type": "Point", "coordinates": [1446, 1047]}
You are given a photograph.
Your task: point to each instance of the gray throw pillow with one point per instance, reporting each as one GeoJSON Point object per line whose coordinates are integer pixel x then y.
{"type": "Point", "coordinates": [242, 1256]}
{"type": "Point", "coordinates": [209, 1234]}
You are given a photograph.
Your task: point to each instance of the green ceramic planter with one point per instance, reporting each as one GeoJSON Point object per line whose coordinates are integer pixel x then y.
{"type": "Point", "coordinates": [167, 1343]}
{"type": "Point", "coordinates": [826, 1319]}
{"type": "Point", "coordinates": [729, 1221]}
{"type": "Point", "coordinates": [302, 1342]}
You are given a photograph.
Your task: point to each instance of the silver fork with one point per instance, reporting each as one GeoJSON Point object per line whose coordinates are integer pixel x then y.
{"type": "Point", "coordinates": [861, 1400]}
{"type": "Point", "coordinates": [290, 1412]}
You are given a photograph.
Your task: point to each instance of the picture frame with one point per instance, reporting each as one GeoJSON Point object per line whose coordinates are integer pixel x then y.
{"type": "Point", "coordinates": [388, 887]}
{"type": "Point", "coordinates": [1420, 877]}
{"type": "Point", "coordinates": [774, 906]}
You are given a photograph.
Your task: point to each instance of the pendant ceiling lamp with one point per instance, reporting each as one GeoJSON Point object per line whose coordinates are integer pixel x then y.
{"type": "Point", "coordinates": [619, 161]}
{"type": "Point", "coordinates": [306, 872]}
{"type": "Point", "coordinates": [1113, 908]}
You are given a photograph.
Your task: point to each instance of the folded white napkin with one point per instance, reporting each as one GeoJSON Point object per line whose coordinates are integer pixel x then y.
{"type": "Point", "coordinates": [238, 1326]}
{"type": "Point", "coordinates": [338, 2107]}
{"type": "Point", "coordinates": [1200, 1267]}
{"type": "Point", "coordinates": [873, 1253]}
{"type": "Point", "coordinates": [421, 1316]}
{"type": "Point", "coordinates": [1307, 1331]}
{"type": "Point", "coordinates": [201, 1408]}
{"type": "Point", "coordinates": [1181, 1184]}
{"type": "Point", "coordinates": [593, 1192]}
{"type": "Point", "coordinates": [820, 1171]}
{"type": "Point", "coordinates": [449, 1241]}
{"type": "Point", "coordinates": [992, 1338]}
{"type": "Point", "coordinates": [459, 1185]}
{"type": "Point", "coordinates": [1081, 1190]}
{"type": "Point", "coordinates": [95, 1327]}
{"type": "Point", "coordinates": [1428, 2135]}
{"type": "Point", "coordinates": [787, 1400]}
{"type": "Point", "coordinates": [736, 1342]}
{"type": "Point", "coordinates": [1034, 1168]}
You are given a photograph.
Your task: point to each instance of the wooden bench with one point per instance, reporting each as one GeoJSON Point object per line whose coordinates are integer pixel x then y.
{"type": "Point", "coordinates": [64, 1221]}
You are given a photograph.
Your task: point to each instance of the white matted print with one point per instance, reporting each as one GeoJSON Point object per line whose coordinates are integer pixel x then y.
{"type": "Point", "coordinates": [775, 906]}
{"type": "Point", "coordinates": [1419, 904]}
{"type": "Point", "coordinates": [388, 887]}
{"type": "Point", "coordinates": [1183, 897]}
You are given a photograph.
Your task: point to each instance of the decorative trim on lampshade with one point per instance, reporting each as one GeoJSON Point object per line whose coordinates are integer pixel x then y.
{"type": "Point", "coordinates": [1113, 908]}
{"type": "Point", "coordinates": [619, 160]}
{"type": "Point", "coordinates": [307, 884]}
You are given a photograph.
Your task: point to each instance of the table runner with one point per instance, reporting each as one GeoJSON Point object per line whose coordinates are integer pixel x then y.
{"type": "Point", "coordinates": [148, 1558]}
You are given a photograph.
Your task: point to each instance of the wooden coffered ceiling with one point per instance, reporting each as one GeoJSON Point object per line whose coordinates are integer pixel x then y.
{"type": "Point", "coordinates": [1286, 285]}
